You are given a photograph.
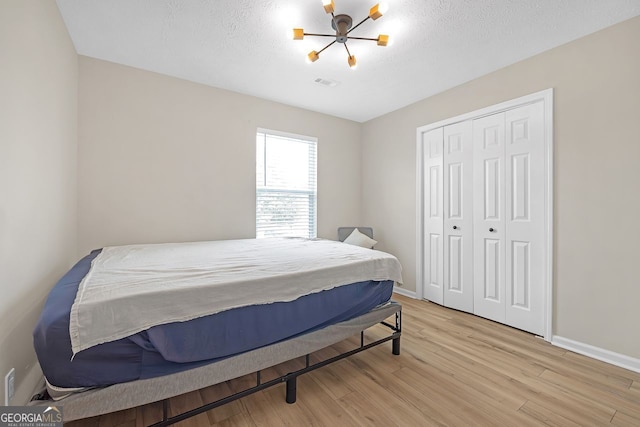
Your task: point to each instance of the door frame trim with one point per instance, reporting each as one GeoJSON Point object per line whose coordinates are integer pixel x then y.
{"type": "Point", "coordinates": [546, 96]}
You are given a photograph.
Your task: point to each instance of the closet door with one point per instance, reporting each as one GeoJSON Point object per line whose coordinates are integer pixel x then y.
{"type": "Point", "coordinates": [458, 216]}
{"type": "Point", "coordinates": [509, 209]}
{"type": "Point", "coordinates": [489, 222]}
{"type": "Point", "coordinates": [432, 143]}
{"type": "Point", "coordinates": [525, 210]}
{"type": "Point", "coordinates": [486, 200]}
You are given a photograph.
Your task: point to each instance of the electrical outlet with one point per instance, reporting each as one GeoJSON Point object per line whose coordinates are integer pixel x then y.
{"type": "Point", "coordinates": [9, 386]}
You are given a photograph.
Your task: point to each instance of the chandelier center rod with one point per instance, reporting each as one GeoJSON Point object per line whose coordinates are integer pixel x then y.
{"type": "Point", "coordinates": [342, 24]}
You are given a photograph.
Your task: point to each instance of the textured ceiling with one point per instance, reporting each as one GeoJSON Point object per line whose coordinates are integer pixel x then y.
{"type": "Point", "coordinates": [245, 45]}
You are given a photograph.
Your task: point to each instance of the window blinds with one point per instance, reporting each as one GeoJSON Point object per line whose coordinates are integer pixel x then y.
{"type": "Point", "coordinates": [285, 185]}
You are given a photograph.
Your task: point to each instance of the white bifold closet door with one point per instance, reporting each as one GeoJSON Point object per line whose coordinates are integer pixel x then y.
{"type": "Point", "coordinates": [448, 215]}
{"type": "Point", "coordinates": [458, 216]}
{"type": "Point", "coordinates": [432, 142]}
{"type": "Point", "coordinates": [508, 199]}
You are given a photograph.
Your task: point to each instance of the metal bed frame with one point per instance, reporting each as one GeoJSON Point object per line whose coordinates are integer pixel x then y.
{"type": "Point", "coordinates": [290, 378]}
{"type": "Point", "coordinates": [160, 389]}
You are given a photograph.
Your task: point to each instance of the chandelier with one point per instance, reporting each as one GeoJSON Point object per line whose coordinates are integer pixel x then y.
{"type": "Point", "coordinates": [343, 25]}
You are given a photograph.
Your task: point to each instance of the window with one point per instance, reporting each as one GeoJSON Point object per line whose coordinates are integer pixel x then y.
{"type": "Point", "coordinates": [285, 185]}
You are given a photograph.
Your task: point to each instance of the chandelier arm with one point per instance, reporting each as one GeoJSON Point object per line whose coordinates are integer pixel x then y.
{"type": "Point", "coordinates": [363, 38]}
{"type": "Point", "coordinates": [358, 24]}
{"type": "Point", "coordinates": [320, 51]}
{"type": "Point", "coordinates": [320, 35]}
{"type": "Point", "coordinates": [345, 46]}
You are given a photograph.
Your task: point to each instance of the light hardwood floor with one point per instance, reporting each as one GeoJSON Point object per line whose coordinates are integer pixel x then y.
{"type": "Point", "coordinates": [454, 369]}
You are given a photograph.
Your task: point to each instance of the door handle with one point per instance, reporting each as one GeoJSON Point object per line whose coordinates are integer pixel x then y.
{"type": "Point", "coordinates": [455, 227]}
{"type": "Point", "coordinates": [491, 230]}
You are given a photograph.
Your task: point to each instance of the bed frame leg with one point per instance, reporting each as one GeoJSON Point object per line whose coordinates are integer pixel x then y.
{"type": "Point", "coordinates": [291, 390]}
{"type": "Point", "coordinates": [165, 412]}
{"type": "Point", "coordinates": [395, 346]}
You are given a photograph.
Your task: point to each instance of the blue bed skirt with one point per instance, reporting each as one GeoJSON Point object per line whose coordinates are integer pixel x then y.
{"type": "Point", "coordinates": [179, 346]}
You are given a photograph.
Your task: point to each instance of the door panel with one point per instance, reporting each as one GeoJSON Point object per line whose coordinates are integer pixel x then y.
{"type": "Point", "coordinates": [525, 227]}
{"type": "Point", "coordinates": [433, 147]}
{"type": "Point", "coordinates": [489, 223]}
{"type": "Point", "coordinates": [520, 184]}
{"type": "Point", "coordinates": [435, 261]}
{"type": "Point", "coordinates": [454, 282]}
{"type": "Point", "coordinates": [520, 266]}
{"type": "Point", "coordinates": [492, 267]}
{"type": "Point", "coordinates": [435, 205]}
{"type": "Point", "coordinates": [455, 189]}
{"type": "Point", "coordinates": [458, 216]}
{"type": "Point", "coordinates": [492, 190]}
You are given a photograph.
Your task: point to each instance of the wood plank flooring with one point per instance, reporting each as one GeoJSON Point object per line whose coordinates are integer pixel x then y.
{"type": "Point", "coordinates": [454, 369]}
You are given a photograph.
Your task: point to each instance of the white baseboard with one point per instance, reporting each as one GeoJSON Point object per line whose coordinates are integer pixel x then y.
{"type": "Point", "coordinates": [404, 292]}
{"type": "Point", "coordinates": [30, 385]}
{"type": "Point", "coordinates": [607, 356]}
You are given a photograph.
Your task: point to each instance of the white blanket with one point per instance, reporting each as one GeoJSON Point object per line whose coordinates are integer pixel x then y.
{"type": "Point", "coordinates": [132, 288]}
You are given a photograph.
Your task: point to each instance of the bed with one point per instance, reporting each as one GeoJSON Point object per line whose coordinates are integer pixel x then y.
{"type": "Point", "coordinates": [350, 291]}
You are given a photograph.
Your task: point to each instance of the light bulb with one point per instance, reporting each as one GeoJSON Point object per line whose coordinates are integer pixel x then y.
{"type": "Point", "coordinates": [383, 40]}
{"type": "Point", "coordinates": [312, 56]}
{"type": "Point", "coordinates": [329, 6]}
{"type": "Point", "coordinates": [378, 10]}
{"type": "Point", "coordinates": [298, 34]}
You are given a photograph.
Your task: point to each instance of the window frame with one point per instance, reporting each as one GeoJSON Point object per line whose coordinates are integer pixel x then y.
{"type": "Point", "coordinates": [313, 194]}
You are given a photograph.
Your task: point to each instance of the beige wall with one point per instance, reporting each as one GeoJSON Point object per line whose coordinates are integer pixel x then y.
{"type": "Point", "coordinates": [163, 159]}
{"type": "Point", "coordinates": [597, 177]}
{"type": "Point", "coordinates": [38, 143]}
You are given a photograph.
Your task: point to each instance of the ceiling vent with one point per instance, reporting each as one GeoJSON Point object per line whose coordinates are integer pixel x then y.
{"type": "Point", "coordinates": [326, 82]}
